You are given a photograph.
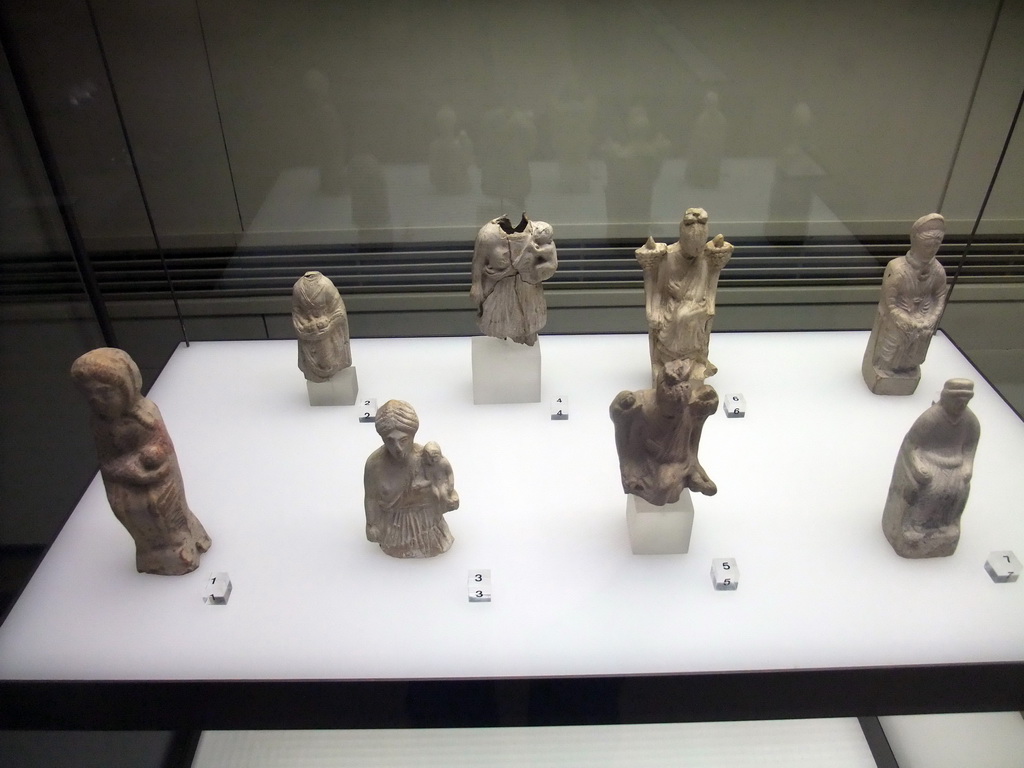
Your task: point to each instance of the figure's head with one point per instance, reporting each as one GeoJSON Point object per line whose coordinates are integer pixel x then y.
{"type": "Point", "coordinates": [693, 231]}
{"type": "Point", "coordinates": [396, 423]}
{"type": "Point", "coordinates": [109, 379]}
{"type": "Point", "coordinates": [926, 237]}
{"type": "Point", "coordinates": [314, 295]}
{"type": "Point", "coordinates": [672, 389]}
{"type": "Point", "coordinates": [431, 453]}
{"type": "Point", "coordinates": [956, 393]}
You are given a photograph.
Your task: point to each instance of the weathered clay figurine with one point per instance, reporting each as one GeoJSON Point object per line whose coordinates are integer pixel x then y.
{"type": "Point", "coordinates": [932, 476]}
{"type": "Point", "coordinates": [509, 265]}
{"type": "Point", "coordinates": [913, 295]}
{"type": "Point", "coordinates": [657, 433]}
{"type": "Point", "coordinates": [318, 314]}
{"type": "Point", "coordinates": [408, 488]}
{"type": "Point", "coordinates": [138, 465]}
{"type": "Point", "coordinates": [680, 282]}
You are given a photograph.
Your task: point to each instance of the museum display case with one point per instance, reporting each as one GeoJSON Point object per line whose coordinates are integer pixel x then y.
{"type": "Point", "coordinates": [171, 171]}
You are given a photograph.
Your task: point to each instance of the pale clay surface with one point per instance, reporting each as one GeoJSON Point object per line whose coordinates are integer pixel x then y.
{"type": "Point", "coordinates": [913, 296]}
{"type": "Point", "coordinates": [408, 488]}
{"type": "Point", "coordinates": [657, 434]}
{"type": "Point", "coordinates": [138, 465]}
{"type": "Point", "coordinates": [680, 282]}
{"type": "Point", "coordinates": [932, 476]}
{"type": "Point", "coordinates": [509, 265]}
{"type": "Point", "coordinates": [320, 321]}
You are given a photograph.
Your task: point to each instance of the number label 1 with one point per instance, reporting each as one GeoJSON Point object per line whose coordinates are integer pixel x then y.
{"type": "Point", "coordinates": [1003, 566]}
{"type": "Point", "coordinates": [479, 585]}
{"type": "Point", "coordinates": [560, 408]}
{"type": "Point", "coordinates": [724, 573]}
{"type": "Point", "coordinates": [367, 409]}
{"type": "Point", "coordinates": [217, 589]}
{"type": "Point", "coordinates": [735, 406]}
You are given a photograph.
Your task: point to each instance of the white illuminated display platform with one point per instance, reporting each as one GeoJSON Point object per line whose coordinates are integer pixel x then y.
{"type": "Point", "coordinates": [802, 481]}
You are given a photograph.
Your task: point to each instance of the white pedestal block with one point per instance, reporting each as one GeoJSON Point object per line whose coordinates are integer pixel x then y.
{"type": "Point", "coordinates": [659, 530]}
{"type": "Point", "coordinates": [505, 372]}
{"type": "Point", "coordinates": [340, 389]}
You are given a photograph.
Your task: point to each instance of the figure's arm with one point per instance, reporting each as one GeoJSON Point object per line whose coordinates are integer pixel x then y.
{"type": "Point", "coordinates": [651, 256]}
{"type": "Point", "coordinates": [890, 299]}
{"type": "Point", "coordinates": [970, 446]}
{"type": "Point", "coordinates": [717, 252]}
{"type": "Point", "coordinates": [146, 465]}
{"type": "Point", "coordinates": [371, 504]}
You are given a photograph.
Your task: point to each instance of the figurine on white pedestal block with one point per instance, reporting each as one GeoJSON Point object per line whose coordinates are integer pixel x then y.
{"type": "Point", "coordinates": [680, 283]}
{"type": "Point", "coordinates": [932, 476]}
{"type": "Point", "coordinates": [325, 355]}
{"type": "Point", "coordinates": [509, 265]}
{"type": "Point", "coordinates": [408, 488]}
{"type": "Point", "coordinates": [138, 465]}
{"type": "Point", "coordinates": [657, 434]}
{"type": "Point", "coordinates": [913, 296]}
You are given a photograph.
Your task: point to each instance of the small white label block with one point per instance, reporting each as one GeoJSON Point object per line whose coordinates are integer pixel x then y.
{"type": "Point", "coordinates": [560, 408]}
{"type": "Point", "coordinates": [367, 410]}
{"type": "Point", "coordinates": [1003, 566]}
{"type": "Point", "coordinates": [479, 585]}
{"type": "Point", "coordinates": [735, 406]}
{"type": "Point", "coordinates": [724, 573]}
{"type": "Point", "coordinates": [217, 589]}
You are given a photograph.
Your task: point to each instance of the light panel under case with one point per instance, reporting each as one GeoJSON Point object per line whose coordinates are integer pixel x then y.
{"type": "Point", "coordinates": [802, 480]}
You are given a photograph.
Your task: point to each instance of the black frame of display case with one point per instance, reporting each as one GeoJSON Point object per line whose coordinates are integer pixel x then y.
{"type": "Point", "coordinates": [466, 703]}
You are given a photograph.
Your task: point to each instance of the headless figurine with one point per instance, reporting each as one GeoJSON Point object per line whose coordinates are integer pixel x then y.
{"type": "Point", "coordinates": [509, 265]}
{"type": "Point", "coordinates": [138, 465]}
{"type": "Point", "coordinates": [320, 321]}
{"type": "Point", "coordinates": [657, 434]}
{"type": "Point", "coordinates": [680, 283]}
{"type": "Point", "coordinates": [913, 297]}
{"type": "Point", "coordinates": [932, 476]}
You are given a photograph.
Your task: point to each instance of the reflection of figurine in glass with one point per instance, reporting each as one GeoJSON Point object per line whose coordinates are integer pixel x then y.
{"type": "Point", "coordinates": [572, 123]}
{"type": "Point", "coordinates": [913, 295]}
{"type": "Point", "coordinates": [707, 144]}
{"type": "Point", "coordinates": [408, 488]}
{"type": "Point", "coordinates": [509, 265]}
{"type": "Point", "coordinates": [657, 434]}
{"type": "Point", "coordinates": [680, 282]}
{"type": "Point", "coordinates": [451, 155]}
{"type": "Point", "coordinates": [633, 168]}
{"type": "Point", "coordinates": [371, 209]}
{"type": "Point", "coordinates": [932, 476]}
{"type": "Point", "coordinates": [138, 465]}
{"type": "Point", "coordinates": [318, 315]}
{"type": "Point", "coordinates": [329, 139]}
{"type": "Point", "coordinates": [508, 140]}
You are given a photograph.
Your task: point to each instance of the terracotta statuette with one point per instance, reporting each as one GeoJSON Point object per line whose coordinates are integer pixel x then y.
{"type": "Point", "coordinates": [408, 488]}
{"type": "Point", "coordinates": [657, 433]}
{"type": "Point", "coordinates": [138, 465]}
{"type": "Point", "coordinates": [318, 315]}
{"type": "Point", "coordinates": [913, 296]}
{"type": "Point", "coordinates": [509, 265]}
{"type": "Point", "coordinates": [680, 282]}
{"type": "Point", "coordinates": [932, 476]}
